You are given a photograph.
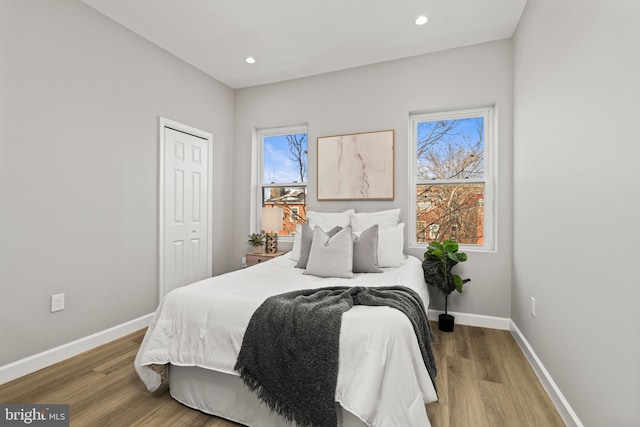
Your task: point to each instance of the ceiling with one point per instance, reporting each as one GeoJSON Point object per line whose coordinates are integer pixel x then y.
{"type": "Point", "coordinates": [297, 38]}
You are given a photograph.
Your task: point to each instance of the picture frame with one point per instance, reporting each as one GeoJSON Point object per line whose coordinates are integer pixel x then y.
{"type": "Point", "coordinates": [356, 166]}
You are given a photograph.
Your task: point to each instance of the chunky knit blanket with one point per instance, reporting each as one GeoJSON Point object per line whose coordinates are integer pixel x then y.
{"type": "Point", "coordinates": [289, 353]}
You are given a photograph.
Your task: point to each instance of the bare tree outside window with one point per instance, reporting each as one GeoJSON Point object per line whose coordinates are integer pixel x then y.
{"type": "Point", "coordinates": [450, 174]}
{"type": "Point", "coordinates": [298, 153]}
{"type": "Point", "coordinates": [285, 177]}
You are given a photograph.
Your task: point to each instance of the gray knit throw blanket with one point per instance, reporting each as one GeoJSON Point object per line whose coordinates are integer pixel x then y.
{"type": "Point", "coordinates": [289, 353]}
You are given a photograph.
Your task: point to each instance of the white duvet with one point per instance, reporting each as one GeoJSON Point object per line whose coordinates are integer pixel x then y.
{"type": "Point", "coordinates": [381, 377]}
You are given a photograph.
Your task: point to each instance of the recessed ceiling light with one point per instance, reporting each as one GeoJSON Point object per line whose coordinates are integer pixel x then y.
{"type": "Point", "coordinates": [421, 20]}
{"type": "Point", "coordinates": [250, 60]}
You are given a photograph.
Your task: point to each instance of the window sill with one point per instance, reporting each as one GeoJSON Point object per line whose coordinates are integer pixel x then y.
{"type": "Point", "coordinates": [462, 248]}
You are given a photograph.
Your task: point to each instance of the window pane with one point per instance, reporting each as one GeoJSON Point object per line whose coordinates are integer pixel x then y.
{"type": "Point", "coordinates": [292, 200]}
{"type": "Point", "coordinates": [285, 158]}
{"type": "Point", "coordinates": [450, 211]}
{"type": "Point", "coordinates": [450, 149]}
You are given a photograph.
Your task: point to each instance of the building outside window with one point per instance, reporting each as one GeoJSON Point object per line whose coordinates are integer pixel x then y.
{"type": "Point", "coordinates": [282, 164]}
{"type": "Point", "coordinates": [452, 178]}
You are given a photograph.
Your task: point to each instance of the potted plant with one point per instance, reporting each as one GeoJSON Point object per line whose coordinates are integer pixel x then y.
{"type": "Point", "coordinates": [256, 241]}
{"type": "Point", "coordinates": [439, 259]}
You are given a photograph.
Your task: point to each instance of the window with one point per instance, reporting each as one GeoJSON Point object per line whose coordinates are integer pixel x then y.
{"type": "Point", "coordinates": [433, 230]}
{"type": "Point", "coordinates": [282, 175]}
{"type": "Point", "coordinates": [295, 214]}
{"type": "Point", "coordinates": [452, 178]}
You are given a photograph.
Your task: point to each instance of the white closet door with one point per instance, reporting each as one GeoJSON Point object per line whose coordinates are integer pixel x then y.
{"type": "Point", "coordinates": [186, 181]}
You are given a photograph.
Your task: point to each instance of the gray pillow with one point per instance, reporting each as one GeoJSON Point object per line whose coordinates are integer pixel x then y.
{"type": "Point", "coordinates": [305, 243]}
{"type": "Point", "coordinates": [331, 256]}
{"type": "Point", "coordinates": [365, 251]}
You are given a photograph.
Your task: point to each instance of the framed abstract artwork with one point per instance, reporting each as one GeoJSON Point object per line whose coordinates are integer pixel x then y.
{"type": "Point", "coordinates": [357, 166]}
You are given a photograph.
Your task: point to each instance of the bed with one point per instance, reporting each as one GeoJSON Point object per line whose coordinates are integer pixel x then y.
{"type": "Point", "coordinates": [197, 331]}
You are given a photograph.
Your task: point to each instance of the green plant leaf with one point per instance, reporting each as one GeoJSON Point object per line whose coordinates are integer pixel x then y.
{"type": "Point", "coordinates": [457, 257]}
{"type": "Point", "coordinates": [437, 253]}
{"type": "Point", "coordinates": [459, 283]}
{"type": "Point", "coordinates": [435, 246]}
{"type": "Point", "coordinates": [450, 246]}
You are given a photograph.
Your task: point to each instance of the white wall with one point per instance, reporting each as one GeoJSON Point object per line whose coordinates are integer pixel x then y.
{"type": "Point", "coordinates": [80, 98]}
{"type": "Point", "coordinates": [380, 97]}
{"type": "Point", "coordinates": [576, 204]}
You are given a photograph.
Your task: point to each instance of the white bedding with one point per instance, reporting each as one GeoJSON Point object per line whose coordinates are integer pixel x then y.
{"type": "Point", "coordinates": [381, 378]}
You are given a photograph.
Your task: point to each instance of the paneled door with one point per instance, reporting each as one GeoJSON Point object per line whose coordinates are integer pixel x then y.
{"type": "Point", "coordinates": [186, 226]}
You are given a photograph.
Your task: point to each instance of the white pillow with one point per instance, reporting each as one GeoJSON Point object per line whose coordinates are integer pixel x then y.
{"type": "Point", "coordinates": [297, 243]}
{"type": "Point", "coordinates": [384, 219]}
{"type": "Point", "coordinates": [331, 256]}
{"type": "Point", "coordinates": [391, 246]}
{"type": "Point", "coordinates": [328, 220]}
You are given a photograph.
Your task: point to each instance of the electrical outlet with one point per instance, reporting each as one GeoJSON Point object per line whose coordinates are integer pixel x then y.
{"type": "Point", "coordinates": [57, 302]}
{"type": "Point", "coordinates": [533, 307]}
{"type": "Point", "coordinates": [243, 262]}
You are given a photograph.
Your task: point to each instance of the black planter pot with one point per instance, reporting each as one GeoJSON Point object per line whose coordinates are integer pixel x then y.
{"type": "Point", "coordinates": [445, 322]}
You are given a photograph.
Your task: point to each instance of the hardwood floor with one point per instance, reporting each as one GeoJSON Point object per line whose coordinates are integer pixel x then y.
{"type": "Point", "coordinates": [483, 380]}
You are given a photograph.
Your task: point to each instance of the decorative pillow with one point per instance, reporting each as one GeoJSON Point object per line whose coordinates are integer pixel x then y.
{"type": "Point", "coordinates": [306, 239]}
{"type": "Point", "coordinates": [297, 241]}
{"type": "Point", "coordinates": [328, 220]}
{"type": "Point", "coordinates": [331, 256]}
{"type": "Point", "coordinates": [365, 251]}
{"type": "Point", "coordinates": [391, 246]}
{"type": "Point", "coordinates": [384, 219]}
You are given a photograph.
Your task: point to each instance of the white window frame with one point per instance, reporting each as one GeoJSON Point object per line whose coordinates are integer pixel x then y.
{"type": "Point", "coordinates": [257, 176]}
{"type": "Point", "coordinates": [489, 177]}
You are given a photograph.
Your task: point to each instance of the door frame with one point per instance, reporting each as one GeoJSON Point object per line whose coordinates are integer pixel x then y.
{"type": "Point", "coordinates": [181, 127]}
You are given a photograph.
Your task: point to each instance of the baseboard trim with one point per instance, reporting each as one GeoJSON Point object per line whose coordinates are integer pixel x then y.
{"type": "Point", "coordinates": [38, 361]}
{"type": "Point", "coordinates": [479, 320]}
{"type": "Point", "coordinates": [569, 417]}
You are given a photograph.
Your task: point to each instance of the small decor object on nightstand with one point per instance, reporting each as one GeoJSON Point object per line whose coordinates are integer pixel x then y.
{"type": "Point", "coordinates": [256, 240]}
{"type": "Point", "coordinates": [271, 224]}
{"type": "Point", "coordinates": [439, 259]}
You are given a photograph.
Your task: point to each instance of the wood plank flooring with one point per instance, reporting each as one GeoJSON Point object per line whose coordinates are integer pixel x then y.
{"type": "Point", "coordinates": [483, 380]}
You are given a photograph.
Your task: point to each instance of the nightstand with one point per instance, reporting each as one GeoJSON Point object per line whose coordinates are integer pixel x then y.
{"type": "Point", "coordinates": [253, 259]}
